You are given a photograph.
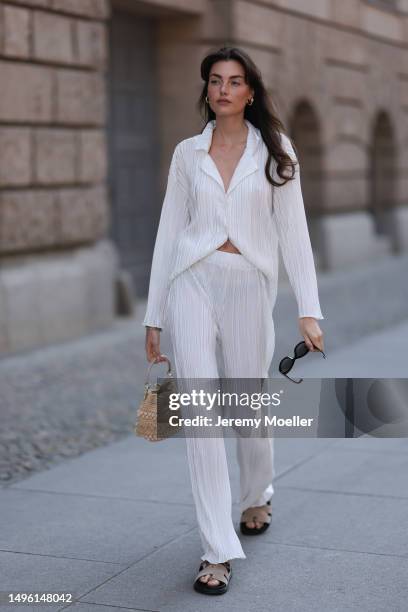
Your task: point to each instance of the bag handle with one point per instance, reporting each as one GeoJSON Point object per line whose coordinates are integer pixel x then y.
{"type": "Point", "coordinates": [169, 371]}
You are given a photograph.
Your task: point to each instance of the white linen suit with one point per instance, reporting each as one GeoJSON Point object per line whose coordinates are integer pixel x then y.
{"type": "Point", "coordinates": [206, 296]}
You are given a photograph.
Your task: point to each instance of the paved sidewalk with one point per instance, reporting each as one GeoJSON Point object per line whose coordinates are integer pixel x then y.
{"type": "Point", "coordinates": [116, 526]}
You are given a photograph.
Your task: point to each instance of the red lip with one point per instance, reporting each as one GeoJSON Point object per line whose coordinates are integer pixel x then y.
{"type": "Point", "coordinates": [222, 101]}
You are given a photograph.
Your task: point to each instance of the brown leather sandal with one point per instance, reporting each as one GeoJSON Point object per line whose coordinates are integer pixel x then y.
{"type": "Point", "coordinates": [260, 514]}
{"type": "Point", "coordinates": [217, 571]}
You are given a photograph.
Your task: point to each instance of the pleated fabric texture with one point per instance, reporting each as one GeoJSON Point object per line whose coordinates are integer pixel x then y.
{"type": "Point", "coordinates": [198, 216]}
{"type": "Point", "coordinates": [223, 301]}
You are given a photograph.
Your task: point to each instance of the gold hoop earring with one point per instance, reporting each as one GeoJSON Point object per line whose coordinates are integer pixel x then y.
{"type": "Point", "coordinates": [207, 100]}
{"type": "Point", "coordinates": [250, 101]}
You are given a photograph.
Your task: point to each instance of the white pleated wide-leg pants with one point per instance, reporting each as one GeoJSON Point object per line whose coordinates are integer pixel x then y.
{"type": "Point", "coordinates": [223, 299]}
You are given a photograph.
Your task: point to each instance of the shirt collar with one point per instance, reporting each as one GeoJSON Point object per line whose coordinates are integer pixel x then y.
{"type": "Point", "coordinates": [203, 140]}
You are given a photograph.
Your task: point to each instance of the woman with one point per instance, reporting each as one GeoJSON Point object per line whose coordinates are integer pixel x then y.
{"type": "Point", "coordinates": [233, 194]}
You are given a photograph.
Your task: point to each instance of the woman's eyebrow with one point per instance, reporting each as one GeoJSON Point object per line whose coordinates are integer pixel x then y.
{"type": "Point", "coordinates": [235, 76]}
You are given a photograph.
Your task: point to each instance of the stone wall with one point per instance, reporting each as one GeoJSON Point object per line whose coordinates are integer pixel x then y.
{"type": "Point", "coordinates": [53, 56]}
{"type": "Point", "coordinates": [342, 62]}
{"type": "Point", "coordinates": [53, 163]}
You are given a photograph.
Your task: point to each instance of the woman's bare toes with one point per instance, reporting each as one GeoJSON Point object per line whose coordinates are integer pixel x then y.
{"type": "Point", "coordinates": [209, 581]}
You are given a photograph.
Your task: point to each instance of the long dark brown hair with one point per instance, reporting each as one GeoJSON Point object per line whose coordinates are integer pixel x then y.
{"type": "Point", "coordinates": [261, 113]}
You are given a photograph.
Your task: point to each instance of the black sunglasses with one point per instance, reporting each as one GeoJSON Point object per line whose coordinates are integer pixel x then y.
{"type": "Point", "coordinates": [287, 363]}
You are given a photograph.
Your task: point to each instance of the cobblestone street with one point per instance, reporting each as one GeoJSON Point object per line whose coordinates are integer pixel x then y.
{"type": "Point", "coordinates": [66, 399]}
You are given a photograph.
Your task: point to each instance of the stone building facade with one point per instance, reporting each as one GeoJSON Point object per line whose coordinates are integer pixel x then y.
{"type": "Point", "coordinates": [95, 94]}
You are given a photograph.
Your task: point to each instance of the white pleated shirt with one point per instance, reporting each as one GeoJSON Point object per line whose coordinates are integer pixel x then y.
{"type": "Point", "coordinates": [198, 216]}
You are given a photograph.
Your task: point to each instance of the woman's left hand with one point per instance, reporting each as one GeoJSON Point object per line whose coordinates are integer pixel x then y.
{"type": "Point", "coordinates": [311, 332]}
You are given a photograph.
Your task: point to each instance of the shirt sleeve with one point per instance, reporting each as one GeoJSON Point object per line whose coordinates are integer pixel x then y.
{"type": "Point", "coordinates": [173, 218]}
{"type": "Point", "coordinates": [294, 240]}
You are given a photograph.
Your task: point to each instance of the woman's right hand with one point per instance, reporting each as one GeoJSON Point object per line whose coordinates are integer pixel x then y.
{"type": "Point", "coordinates": [153, 345]}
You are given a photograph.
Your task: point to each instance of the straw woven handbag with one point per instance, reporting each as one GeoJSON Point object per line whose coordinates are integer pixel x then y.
{"type": "Point", "coordinates": [152, 419]}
